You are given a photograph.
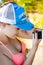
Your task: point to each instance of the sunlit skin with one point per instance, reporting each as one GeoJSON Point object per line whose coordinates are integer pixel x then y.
{"type": "Point", "coordinates": [13, 31]}
{"type": "Point", "coordinates": [8, 35]}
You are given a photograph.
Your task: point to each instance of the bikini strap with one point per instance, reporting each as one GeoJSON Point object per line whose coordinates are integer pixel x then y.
{"type": "Point", "coordinates": [22, 45]}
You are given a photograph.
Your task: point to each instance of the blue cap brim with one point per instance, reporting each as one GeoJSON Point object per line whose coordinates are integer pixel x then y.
{"type": "Point", "coordinates": [25, 26]}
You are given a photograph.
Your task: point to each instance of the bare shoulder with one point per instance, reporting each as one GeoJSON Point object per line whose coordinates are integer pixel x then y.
{"type": "Point", "coordinates": [4, 60]}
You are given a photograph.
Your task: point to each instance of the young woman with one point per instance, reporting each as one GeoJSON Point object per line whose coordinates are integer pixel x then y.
{"type": "Point", "coordinates": [13, 23]}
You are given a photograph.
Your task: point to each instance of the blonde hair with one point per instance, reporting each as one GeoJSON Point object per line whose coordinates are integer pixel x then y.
{"type": "Point", "coordinates": [7, 3]}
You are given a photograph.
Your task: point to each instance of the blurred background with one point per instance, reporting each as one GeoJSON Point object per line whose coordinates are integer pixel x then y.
{"type": "Point", "coordinates": [33, 9]}
{"type": "Point", "coordinates": [34, 13]}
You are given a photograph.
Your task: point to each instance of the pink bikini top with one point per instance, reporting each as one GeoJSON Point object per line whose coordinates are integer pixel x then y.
{"type": "Point", "coordinates": [18, 59]}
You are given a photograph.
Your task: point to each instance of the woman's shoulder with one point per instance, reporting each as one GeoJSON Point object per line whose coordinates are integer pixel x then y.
{"type": "Point", "coordinates": [5, 57]}
{"type": "Point", "coordinates": [4, 60]}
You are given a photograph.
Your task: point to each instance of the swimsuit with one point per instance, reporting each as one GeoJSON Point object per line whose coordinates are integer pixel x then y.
{"type": "Point", "coordinates": [18, 59]}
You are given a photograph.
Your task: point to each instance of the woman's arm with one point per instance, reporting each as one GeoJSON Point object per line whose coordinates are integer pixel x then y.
{"type": "Point", "coordinates": [32, 52]}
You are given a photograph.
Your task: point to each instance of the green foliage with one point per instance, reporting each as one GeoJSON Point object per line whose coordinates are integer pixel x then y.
{"type": "Point", "coordinates": [30, 4]}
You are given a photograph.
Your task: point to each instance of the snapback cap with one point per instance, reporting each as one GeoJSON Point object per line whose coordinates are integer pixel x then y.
{"type": "Point", "coordinates": [14, 14]}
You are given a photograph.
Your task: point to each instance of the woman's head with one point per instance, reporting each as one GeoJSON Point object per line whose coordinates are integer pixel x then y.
{"type": "Point", "coordinates": [11, 13]}
{"type": "Point", "coordinates": [13, 31]}
{"type": "Point", "coordinates": [13, 16]}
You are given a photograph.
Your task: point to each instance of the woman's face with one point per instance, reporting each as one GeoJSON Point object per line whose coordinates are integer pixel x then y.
{"type": "Point", "coordinates": [25, 34]}
{"type": "Point", "coordinates": [12, 31]}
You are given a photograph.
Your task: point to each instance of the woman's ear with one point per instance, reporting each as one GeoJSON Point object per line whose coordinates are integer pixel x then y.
{"type": "Point", "coordinates": [2, 24]}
